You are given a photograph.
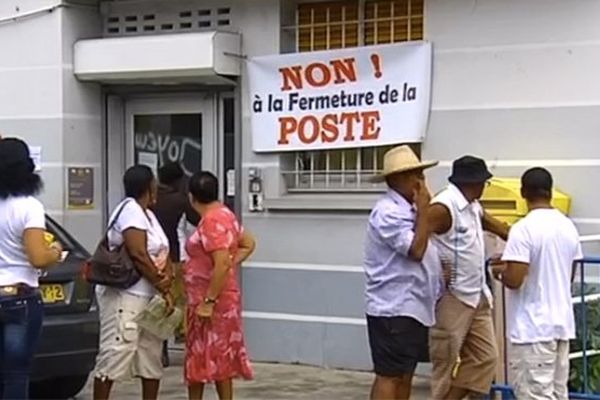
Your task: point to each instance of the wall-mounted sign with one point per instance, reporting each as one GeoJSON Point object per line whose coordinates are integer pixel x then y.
{"type": "Point", "coordinates": [80, 184]}
{"type": "Point", "coordinates": [148, 159]}
{"type": "Point", "coordinates": [36, 155]}
{"type": "Point", "coordinates": [367, 96]}
{"type": "Point", "coordinates": [230, 178]}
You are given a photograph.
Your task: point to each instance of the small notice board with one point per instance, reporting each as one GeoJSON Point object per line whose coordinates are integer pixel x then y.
{"type": "Point", "coordinates": [80, 183]}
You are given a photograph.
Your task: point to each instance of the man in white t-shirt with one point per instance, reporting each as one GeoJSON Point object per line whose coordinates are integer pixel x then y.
{"type": "Point", "coordinates": [539, 257]}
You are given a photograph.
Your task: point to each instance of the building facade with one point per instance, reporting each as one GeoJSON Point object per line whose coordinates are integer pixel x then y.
{"type": "Point", "coordinates": [103, 85]}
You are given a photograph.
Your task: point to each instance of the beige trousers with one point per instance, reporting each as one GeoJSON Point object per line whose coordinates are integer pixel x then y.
{"type": "Point", "coordinates": [540, 371]}
{"type": "Point", "coordinates": [462, 347]}
{"type": "Point", "coordinates": [126, 350]}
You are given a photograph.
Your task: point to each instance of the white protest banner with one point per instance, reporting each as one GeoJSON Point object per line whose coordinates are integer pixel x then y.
{"type": "Point", "coordinates": [356, 97]}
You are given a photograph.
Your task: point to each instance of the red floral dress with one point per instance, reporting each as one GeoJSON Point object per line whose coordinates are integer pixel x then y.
{"type": "Point", "coordinates": [215, 349]}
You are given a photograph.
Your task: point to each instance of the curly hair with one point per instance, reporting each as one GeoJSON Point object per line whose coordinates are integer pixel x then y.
{"type": "Point", "coordinates": [19, 180]}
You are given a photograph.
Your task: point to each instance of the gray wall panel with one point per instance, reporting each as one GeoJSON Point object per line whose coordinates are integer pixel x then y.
{"type": "Point", "coordinates": [515, 133]}
{"type": "Point", "coordinates": [43, 132]}
{"type": "Point", "coordinates": [329, 345]}
{"type": "Point", "coordinates": [82, 125]}
{"type": "Point", "coordinates": [309, 238]}
{"type": "Point", "coordinates": [284, 341]}
{"type": "Point", "coordinates": [52, 195]}
{"type": "Point", "coordinates": [338, 294]}
{"type": "Point", "coordinates": [83, 142]}
{"type": "Point", "coordinates": [86, 227]}
{"type": "Point", "coordinates": [347, 346]}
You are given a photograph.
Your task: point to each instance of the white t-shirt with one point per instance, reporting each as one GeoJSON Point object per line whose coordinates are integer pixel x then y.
{"type": "Point", "coordinates": [133, 216]}
{"type": "Point", "coordinates": [16, 215]}
{"type": "Point", "coordinates": [542, 309]}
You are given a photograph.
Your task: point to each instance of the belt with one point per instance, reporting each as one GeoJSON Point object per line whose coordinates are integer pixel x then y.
{"type": "Point", "coordinates": [19, 289]}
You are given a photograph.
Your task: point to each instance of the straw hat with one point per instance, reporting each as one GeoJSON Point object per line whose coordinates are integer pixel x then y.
{"type": "Point", "coordinates": [401, 159]}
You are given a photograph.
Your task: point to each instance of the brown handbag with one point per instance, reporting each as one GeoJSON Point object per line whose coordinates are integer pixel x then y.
{"type": "Point", "coordinates": [112, 268]}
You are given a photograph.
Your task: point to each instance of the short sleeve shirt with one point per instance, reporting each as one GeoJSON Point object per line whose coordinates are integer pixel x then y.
{"type": "Point", "coordinates": [542, 309]}
{"type": "Point", "coordinates": [134, 217]}
{"type": "Point", "coordinates": [17, 214]}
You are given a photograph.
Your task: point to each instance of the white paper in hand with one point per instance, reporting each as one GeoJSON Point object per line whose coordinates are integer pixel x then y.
{"type": "Point", "coordinates": [155, 320]}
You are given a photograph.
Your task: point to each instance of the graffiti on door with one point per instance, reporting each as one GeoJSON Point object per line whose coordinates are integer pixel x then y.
{"type": "Point", "coordinates": [170, 148]}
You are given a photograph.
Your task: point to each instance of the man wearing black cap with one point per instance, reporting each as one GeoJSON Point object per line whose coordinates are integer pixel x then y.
{"type": "Point", "coordinates": [462, 343]}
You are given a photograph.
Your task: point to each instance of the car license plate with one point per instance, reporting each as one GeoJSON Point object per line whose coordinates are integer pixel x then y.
{"type": "Point", "coordinates": [52, 294]}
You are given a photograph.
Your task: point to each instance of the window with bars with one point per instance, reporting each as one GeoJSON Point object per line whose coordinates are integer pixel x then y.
{"type": "Point", "coordinates": [342, 24]}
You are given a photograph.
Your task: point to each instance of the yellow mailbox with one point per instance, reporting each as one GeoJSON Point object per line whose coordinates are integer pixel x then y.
{"type": "Point", "coordinates": [502, 198]}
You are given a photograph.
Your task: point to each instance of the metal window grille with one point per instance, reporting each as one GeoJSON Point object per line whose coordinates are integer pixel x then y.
{"type": "Point", "coordinates": [342, 24]}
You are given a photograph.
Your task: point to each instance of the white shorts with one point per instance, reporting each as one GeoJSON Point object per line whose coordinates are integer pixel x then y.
{"type": "Point", "coordinates": [540, 370]}
{"type": "Point", "coordinates": [126, 351]}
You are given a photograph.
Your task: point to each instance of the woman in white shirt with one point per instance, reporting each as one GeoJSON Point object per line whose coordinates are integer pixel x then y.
{"type": "Point", "coordinates": [125, 348]}
{"type": "Point", "coordinates": [23, 252]}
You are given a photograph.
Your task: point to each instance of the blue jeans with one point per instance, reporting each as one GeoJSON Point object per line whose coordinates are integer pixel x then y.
{"type": "Point", "coordinates": [20, 327]}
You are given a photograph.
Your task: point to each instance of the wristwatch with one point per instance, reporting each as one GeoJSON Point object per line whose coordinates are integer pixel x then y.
{"type": "Point", "coordinates": [208, 300]}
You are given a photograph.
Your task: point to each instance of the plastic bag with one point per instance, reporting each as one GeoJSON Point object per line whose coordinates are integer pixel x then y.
{"type": "Point", "coordinates": [155, 320]}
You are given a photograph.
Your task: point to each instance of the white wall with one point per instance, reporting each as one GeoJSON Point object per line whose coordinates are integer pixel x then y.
{"type": "Point", "coordinates": [81, 105]}
{"type": "Point", "coordinates": [259, 22]}
{"type": "Point", "coordinates": [515, 82]}
{"type": "Point", "coordinates": [30, 88]}
{"type": "Point", "coordinates": [41, 102]}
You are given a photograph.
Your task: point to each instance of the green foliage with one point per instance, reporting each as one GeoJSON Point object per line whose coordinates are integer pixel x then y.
{"type": "Point", "coordinates": [576, 383]}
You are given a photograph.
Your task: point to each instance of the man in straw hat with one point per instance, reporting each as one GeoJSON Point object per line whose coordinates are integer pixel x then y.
{"type": "Point", "coordinates": [463, 346]}
{"type": "Point", "coordinates": [403, 273]}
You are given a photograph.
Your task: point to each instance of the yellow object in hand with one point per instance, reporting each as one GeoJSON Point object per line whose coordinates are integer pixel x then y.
{"type": "Point", "coordinates": [48, 238]}
{"type": "Point", "coordinates": [456, 367]}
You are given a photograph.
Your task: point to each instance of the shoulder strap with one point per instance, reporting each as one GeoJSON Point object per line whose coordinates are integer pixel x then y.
{"type": "Point", "coordinates": [113, 222]}
{"type": "Point", "coordinates": [116, 218]}
{"type": "Point", "coordinates": [117, 215]}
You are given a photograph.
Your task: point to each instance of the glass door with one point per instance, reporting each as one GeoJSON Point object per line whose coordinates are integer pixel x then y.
{"type": "Point", "coordinates": [181, 130]}
{"type": "Point", "coordinates": [163, 138]}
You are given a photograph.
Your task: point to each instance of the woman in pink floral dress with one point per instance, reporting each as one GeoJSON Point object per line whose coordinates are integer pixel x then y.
{"type": "Point", "coordinates": [215, 350]}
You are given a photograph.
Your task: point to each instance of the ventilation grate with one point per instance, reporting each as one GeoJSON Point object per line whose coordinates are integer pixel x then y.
{"type": "Point", "coordinates": [184, 20]}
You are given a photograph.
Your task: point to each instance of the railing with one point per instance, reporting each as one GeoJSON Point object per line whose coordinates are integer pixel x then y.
{"type": "Point", "coordinates": [583, 298]}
